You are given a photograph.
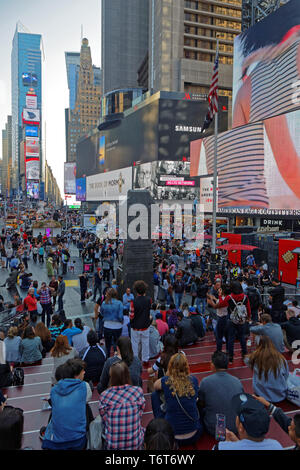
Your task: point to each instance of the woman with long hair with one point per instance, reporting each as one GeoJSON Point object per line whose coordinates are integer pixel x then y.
{"type": "Point", "coordinates": [112, 313]}
{"type": "Point", "coordinates": [121, 407]}
{"type": "Point", "coordinates": [180, 391]}
{"type": "Point", "coordinates": [12, 345]}
{"type": "Point", "coordinates": [159, 435]}
{"type": "Point", "coordinates": [47, 342]}
{"type": "Point", "coordinates": [270, 371]}
{"type": "Point", "coordinates": [124, 353]}
{"type": "Point", "coordinates": [61, 352]}
{"type": "Point", "coordinates": [31, 347]}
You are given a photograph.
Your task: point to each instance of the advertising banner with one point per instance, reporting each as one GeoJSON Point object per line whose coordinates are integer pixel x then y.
{"type": "Point", "coordinates": [31, 101]}
{"type": "Point", "coordinates": [32, 169]}
{"type": "Point", "coordinates": [31, 131]}
{"type": "Point", "coordinates": [109, 186]}
{"type": "Point", "coordinates": [31, 115]}
{"type": "Point", "coordinates": [70, 178]}
{"type": "Point", "coordinates": [33, 189]}
{"type": "Point", "coordinates": [266, 77]}
{"type": "Point", "coordinates": [81, 189]}
{"type": "Point", "coordinates": [258, 166]}
{"type": "Point", "coordinates": [29, 79]}
{"type": "Point", "coordinates": [206, 193]}
{"type": "Point", "coordinates": [32, 147]}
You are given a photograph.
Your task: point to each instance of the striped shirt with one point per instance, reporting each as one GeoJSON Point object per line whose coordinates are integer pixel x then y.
{"type": "Point", "coordinates": [273, 85]}
{"type": "Point", "coordinates": [121, 408]}
{"type": "Point", "coordinates": [241, 180]}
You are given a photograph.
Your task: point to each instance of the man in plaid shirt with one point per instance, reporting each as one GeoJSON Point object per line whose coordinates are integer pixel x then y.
{"type": "Point", "coordinates": [121, 407]}
{"type": "Point", "coordinates": [45, 299]}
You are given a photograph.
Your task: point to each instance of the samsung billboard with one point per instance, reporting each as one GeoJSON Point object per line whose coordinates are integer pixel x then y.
{"type": "Point", "coordinates": [162, 128]}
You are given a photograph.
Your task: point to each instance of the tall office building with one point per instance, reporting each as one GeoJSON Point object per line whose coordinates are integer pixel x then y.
{"type": "Point", "coordinates": [26, 74]}
{"type": "Point", "coordinates": [124, 42]}
{"type": "Point", "coordinates": [6, 158]}
{"type": "Point", "coordinates": [84, 82]}
{"type": "Point", "coordinates": [182, 38]}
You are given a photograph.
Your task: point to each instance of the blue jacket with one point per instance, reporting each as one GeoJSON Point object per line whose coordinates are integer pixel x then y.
{"type": "Point", "coordinates": [112, 311]}
{"type": "Point", "coordinates": [68, 421]}
{"type": "Point", "coordinates": [70, 332]}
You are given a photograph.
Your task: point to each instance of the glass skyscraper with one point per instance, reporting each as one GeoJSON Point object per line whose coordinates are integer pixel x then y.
{"type": "Point", "coordinates": [26, 74]}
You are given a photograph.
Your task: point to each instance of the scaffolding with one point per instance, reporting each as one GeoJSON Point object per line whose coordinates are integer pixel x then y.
{"type": "Point", "coordinates": [254, 11]}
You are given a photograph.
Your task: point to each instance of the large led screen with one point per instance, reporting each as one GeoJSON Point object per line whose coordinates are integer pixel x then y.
{"type": "Point", "coordinates": [81, 189]}
{"type": "Point", "coordinates": [30, 79]}
{"type": "Point", "coordinates": [258, 164]}
{"type": "Point", "coordinates": [70, 178]}
{"type": "Point", "coordinates": [33, 189]}
{"type": "Point", "coordinates": [109, 186]}
{"type": "Point", "coordinates": [161, 129]}
{"type": "Point", "coordinates": [32, 169]}
{"type": "Point", "coordinates": [266, 78]}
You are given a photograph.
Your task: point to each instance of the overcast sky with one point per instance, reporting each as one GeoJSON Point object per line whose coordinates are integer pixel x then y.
{"type": "Point", "coordinates": [59, 22]}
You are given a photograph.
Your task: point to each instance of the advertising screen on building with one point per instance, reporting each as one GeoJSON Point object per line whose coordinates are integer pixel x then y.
{"type": "Point", "coordinates": [258, 164]}
{"type": "Point", "coordinates": [32, 147]}
{"type": "Point", "coordinates": [70, 178]}
{"type": "Point", "coordinates": [81, 189]}
{"type": "Point", "coordinates": [33, 189]}
{"type": "Point", "coordinates": [161, 129]}
{"type": "Point", "coordinates": [266, 78]}
{"type": "Point", "coordinates": [29, 79]}
{"type": "Point", "coordinates": [109, 186]}
{"type": "Point", "coordinates": [31, 115]}
{"type": "Point", "coordinates": [32, 169]}
{"type": "Point", "coordinates": [31, 101]}
{"type": "Point", "coordinates": [31, 131]}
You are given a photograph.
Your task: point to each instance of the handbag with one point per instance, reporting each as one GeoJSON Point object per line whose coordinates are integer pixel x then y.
{"type": "Point", "coordinates": [94, 434]}
{"type": "Point", "coordinates": [293, 387]}
{"type": "Point", "coordinates": [39, 308]}
{"type": "Point", "coordinates": [186, 413]}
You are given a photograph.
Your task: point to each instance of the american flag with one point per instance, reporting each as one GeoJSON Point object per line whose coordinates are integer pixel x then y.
{"type": "Point", "coordinates": [212, 95]}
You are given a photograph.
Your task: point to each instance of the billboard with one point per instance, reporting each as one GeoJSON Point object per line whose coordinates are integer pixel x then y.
{"type": "Point", "coordinates": [266, 77]}
{"type": "Point", "coordinates": [81, 189]}
{"type": "Point", "coordinates": [31, 131]}
{"type": "Point", "coordinates": [33, 189]}
{"type": "Point", "coordinates": [258, 165]}
{"type": "Point", "coordinates": [70, 178]}
{"type": "Point", "coordinates": [29, 79]}
{"type": "Point", "coordinates": [31, 101]}
{"type": "Point", "coordinates": [109, 186]}
{"type": "Point", "coordinates": [32, 147]}
{"type": "Point", "coordinates": [42, 191]}
{"type": "Point", "coordinates": [159, 129]}
{"type": "Point", "coordinates": [33, 169]}
{"type": "Point", "coordinates": [31, 116]}
{"type": "Point", "coordinates": [206, 193]}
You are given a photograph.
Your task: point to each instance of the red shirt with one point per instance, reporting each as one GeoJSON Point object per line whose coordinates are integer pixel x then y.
{"type": "Point", "coordinates": [30, 303]}
{"type": "Point", "coordinates": [162, 327]}
{"type": "Point", "coordinates": [164, 315]}
{"type": "Point", "coordinates": [237, 298]}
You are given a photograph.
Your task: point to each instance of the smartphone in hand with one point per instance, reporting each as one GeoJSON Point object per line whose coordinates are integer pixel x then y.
{"type": "Point", "coordinates": [220, 433]}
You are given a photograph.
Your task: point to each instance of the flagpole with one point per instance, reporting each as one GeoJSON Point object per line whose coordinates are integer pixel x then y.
{"type": "Point", "coordinates": [215, 177]}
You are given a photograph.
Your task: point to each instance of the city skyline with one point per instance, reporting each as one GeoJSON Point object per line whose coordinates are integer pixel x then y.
{"type": "Point", "coordinates": [49, 20]}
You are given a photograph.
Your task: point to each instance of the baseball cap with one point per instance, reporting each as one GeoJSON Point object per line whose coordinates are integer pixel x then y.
{"type": "Point", "coordinates": [252, 414]}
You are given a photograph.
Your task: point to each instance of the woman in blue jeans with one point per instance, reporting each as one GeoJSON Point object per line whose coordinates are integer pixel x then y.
{"type": "Point", "coordinates": [180, 392]}
{"type": "Point", "coordinates": [112, 314]}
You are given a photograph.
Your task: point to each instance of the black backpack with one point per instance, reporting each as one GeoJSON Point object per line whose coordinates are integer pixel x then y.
{"type": "Point", "coordinates": [18, 377]}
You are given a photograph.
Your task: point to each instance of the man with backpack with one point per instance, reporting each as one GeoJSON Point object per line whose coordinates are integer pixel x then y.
{"type": "Point", "coordinates": [239, 314]}
{"type": "Point", "coordinates": [254, 298]}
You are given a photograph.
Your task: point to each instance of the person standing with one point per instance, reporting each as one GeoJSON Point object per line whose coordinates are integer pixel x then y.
{"type": "Point", "coordinates": [179, 289]}
{"type": "Point", "coordinates": [106, 268]}
{"type": "Point", "coordinates": [97, 283]}
{"type": "Point", "coordinates": [45, 300]}
{"type": "Point", "coordinates": [30, 303]}
{"type": "Point", "coordinates": [277, 294]}
{"type": "Point", "coordinates": [83, 280]}
{"type": "Point", "coordinates": [54, 285]}
{"type": "Point", "coordinates": [60, 293]}
{"type": "Point", "coordinates": [112, 314]}
{"type": "Point", "coordinates": [140, 321]}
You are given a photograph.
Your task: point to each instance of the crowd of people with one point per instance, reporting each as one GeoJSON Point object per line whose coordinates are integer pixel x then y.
{"type": "Point", "coordinates": [238, 303]}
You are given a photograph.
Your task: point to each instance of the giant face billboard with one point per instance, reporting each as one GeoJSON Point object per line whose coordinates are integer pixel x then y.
{"type": "Point", "coordinates": [32, 169]}
{"type": "Point", "coordinates": [258, 164]}
{"type": "Point", "coordinates": [70, 178]}
{"type": "Point", "coordinates": [33, 189]}
{"type": "Point", "coordinates": [266, 78]}
{"type": "Point", "coordinates": [160, 129]}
